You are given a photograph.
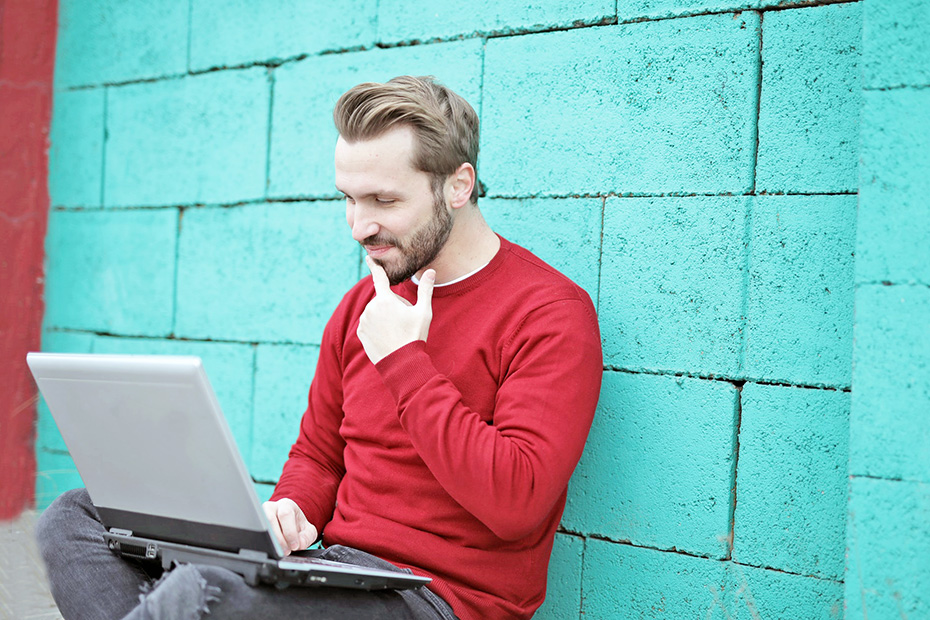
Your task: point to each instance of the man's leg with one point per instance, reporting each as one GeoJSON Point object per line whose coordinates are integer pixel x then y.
{"type": "Point", "coordinates": [192, 592]}
{"type": "Point", "coordinates": [86, 579]}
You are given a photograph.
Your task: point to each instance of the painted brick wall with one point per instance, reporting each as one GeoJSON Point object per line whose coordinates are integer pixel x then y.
{"type": "Point", "coordinates": [693, 164]}
{"type": "Point", "coordinates": [888, 536]}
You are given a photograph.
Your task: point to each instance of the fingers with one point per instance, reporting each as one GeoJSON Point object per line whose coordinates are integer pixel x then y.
{"type": "Point", "coordinates": [289, 524]}
{"type": "Point", "coordinates": [425, 289]}
{"type": "Point", "coordinates": [378, 275]}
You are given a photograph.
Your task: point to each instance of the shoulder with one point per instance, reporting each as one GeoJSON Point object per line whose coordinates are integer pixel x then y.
{"type": "Point", "coordinates": [531, 277]}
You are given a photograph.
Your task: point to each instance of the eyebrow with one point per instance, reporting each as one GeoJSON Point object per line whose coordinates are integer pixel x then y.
{"type": "Point", "coordinates": [377, 192]}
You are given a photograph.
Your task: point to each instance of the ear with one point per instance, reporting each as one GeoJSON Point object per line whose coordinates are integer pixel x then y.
{"type": "Point", "coordinates": [462, 183]}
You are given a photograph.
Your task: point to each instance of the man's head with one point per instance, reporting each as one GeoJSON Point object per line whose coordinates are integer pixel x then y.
{"type": "Point", "coordinates": [445, 126]}
{"type": "Point", "coordinates": [405, 161]}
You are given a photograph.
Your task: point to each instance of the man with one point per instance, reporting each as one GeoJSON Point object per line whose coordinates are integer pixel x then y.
{"type": "Point", "coordinates": [451, 401]}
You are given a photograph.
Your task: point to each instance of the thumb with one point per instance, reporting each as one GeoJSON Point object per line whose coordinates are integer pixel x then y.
{"type": "Point", "coordinates": [425, 289]}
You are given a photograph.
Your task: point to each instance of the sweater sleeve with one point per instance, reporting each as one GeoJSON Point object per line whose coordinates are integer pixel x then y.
{"type": "Point", "coordinates": [315, 464]}
{"type": "Point", "coordinates": [510, 473]}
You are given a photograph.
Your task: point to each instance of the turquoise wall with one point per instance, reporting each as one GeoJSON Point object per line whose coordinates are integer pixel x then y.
{"type": "Point", "coordinates": [695, 165]}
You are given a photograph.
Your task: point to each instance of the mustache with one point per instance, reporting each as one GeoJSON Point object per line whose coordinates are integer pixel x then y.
{"type": "Point", "coordinates": [381, 239]}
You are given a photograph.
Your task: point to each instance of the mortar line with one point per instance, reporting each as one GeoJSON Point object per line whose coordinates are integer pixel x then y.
{"type": "Point", "coordinates": [103, 150]}
{"type": "Point", "coordinates": [723, 379]}
{"type": "Point", "coordinates": [190, 31]}
{"type": "Point", "coordinates": [271, 85]}
{"type": "Point", "coordinates": [888, 478]}
{"type": "Point", "coordinates": [584, 551]}
{"type": "Point", "coordinates": [755, 127]}
{"type": "Point", "coordinates": [737, 426]}
{"type": "Point", "coordinates": [600, 255]}
{"type": "Point", "coordinates": [177, 275]}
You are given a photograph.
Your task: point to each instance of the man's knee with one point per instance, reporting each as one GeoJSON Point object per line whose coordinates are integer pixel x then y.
{"type": "Point", "coordinates": [56, 524]}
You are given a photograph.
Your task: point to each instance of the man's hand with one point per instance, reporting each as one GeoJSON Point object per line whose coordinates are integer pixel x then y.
{"type": "Point", "coordinates": [390, 321]}
{"type": "Point", "coordinates": [290, 526]}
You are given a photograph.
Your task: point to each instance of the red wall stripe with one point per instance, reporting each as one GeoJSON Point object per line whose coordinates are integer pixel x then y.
{"type": "Point", "coordinates": [27, 61]}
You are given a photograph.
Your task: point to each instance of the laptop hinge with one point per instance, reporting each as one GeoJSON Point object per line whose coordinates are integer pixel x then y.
{"type": "Point", "coordinates": [252, 554]}
{"type": "Point", "coordinates": [119, 532]}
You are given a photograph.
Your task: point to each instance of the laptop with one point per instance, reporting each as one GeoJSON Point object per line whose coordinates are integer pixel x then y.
{"type": "Point", "coordinates": [162, 468]}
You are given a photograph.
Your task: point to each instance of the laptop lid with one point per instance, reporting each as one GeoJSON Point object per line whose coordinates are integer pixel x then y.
{"type": "Point", "coordinates": [153, 448]}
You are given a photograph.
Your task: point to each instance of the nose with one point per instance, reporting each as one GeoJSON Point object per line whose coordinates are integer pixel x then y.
{"type": "Point", "coordinates": [361, 222]}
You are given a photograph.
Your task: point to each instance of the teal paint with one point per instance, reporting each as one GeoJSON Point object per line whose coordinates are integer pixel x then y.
{"type": "Point", "coordinates": [655, 107]}
{"type": "Point", "coordinates": [110, 41]}
{"type": "Point", "coordinates": [672, 276]}
{"type": "Point", "coordinates": [55, 474]}
{"type": "Point", "coordinates": [228, 366]}
{"type": "Point", "coordinates": [75, 173]}
{"type": "Point", "coordinates": [111, 272]}
{"type": "Point", "coordinates": [670, 440]}
{"type": "Point", "coordinates": [200, 139]}
{"type": "Point", "coordinates": [302, 130]}
{"type": "Point", "coordinates": [282, 375]}
{"type": "Point", "coordinates": [266, 272]}
{"type": "Point", "coordinates": [791, 482]}
{"type": "Point", "coordinates": [566, 233]}
{"type": "Point", "coordinates": [226, 33]}
{"type": "Point", "coordinates": [422, 20]}
{"type": "Point", "coordinates": [897, 48]}
{"type": "Point", "coordinates": [623, 581]}
{"type": "Point", "coordinates": [757, 593]}
{"type": "Point", "coordinates": [893, 225]}
{"type": "Point", "coordinates": [887, 575]}
{"type": "Point", "coordinates": [563, 591]}
{"type": "Point", "coordinates": [889, 430]}
{"type": "Point", "coordinates": [799, 323]}
{"type": "Point", "coordinates": [811, 92]}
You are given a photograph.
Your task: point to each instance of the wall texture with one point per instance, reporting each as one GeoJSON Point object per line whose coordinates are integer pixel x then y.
{"type": "Point", "coordinates": [694, 164]}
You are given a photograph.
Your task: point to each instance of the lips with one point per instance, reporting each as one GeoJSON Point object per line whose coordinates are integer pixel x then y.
{"type": "Point", "coordinates": [377, 251]}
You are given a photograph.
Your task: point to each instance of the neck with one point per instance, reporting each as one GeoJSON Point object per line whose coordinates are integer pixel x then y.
{"type": "Point", "coordinates": [471, 245]}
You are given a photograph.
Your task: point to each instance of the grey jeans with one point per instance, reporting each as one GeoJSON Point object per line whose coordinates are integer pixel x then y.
{"type": "Point", "coordinates": [89, 581]}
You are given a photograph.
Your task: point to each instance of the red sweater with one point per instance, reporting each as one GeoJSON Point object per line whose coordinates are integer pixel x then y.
{"type": "Point", "coordinates": [452, 457]}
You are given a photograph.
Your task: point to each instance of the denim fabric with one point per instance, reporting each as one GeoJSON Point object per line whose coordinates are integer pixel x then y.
{"type": "Point", "coordinates": [88, 581]}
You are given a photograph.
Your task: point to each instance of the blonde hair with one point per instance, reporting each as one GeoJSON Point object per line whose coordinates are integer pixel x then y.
{"type": "Point", "coordinates": [445, 125]}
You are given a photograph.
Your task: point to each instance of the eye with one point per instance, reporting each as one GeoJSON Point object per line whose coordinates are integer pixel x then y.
{"type": "Point", "coordinates": [385, 201]}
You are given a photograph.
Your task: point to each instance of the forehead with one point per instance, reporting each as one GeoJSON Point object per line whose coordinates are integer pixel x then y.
{"type": "Point", "coordinates": [384, 161]}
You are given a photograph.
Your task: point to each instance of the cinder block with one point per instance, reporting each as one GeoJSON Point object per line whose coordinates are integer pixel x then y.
{"type": "Point", "coordinates": [302, 132]}
{"type": "Point", "coordinates": [55, 474]}
{"type": "Point", "coordinates": [282, 382]}
{"type": "Point", "coordinates": [791, 480]}
{"type": "Point", "coordinates": [673, 283]}
{"type": "Point", "coordinates": [422, 20]}
{"type": "Point", "coordinates": [653, 107]}
{"type": "Point", "coordinates": [563, 586]}
{"type": "Point", "coordinates": [889, 425]}
{"type": "Point", "coordinates": [47, 435]}
{"type": "Point", "coordinates": [234, 32]}
{"type": "Point", "coordinates": [621, 581]}
{"type": "Point", "coordinates": [263, 491]}
{"type": "Point", "coordinates": [228, 366]}
{"type": "Point", "coordinates": [887, 572]}
{"type": "Point", "coordinates": [896, 45]}
{"type": "Point", "coordinates": [109, 41]}
{"type": "Point", "coordinates": [111, 271]}
{"type": "Point", "coordinates": [267, 272]}
{"type": "Point", "coordinates": [800, 320]}
{"type": "Point", "coordinates": [566, 233]}
{"type": "Point", "coordinates": [893, 226]}
{"type": "Point", "coordinates": [200, 139]}
{"type": "Point", "coordinates": [757, 593]}
{"type": "Point", "coordinates": [628, 10]}
{"type": "Point", "coordinates": [75, 158]}
{"type": "Point", "coordinates": [811, 96]}
{"type": "Point", "coordinates": [658, 466]}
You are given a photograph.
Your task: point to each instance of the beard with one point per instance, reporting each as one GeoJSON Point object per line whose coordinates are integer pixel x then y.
{"type": "Point", "coordinates": [420, 248]}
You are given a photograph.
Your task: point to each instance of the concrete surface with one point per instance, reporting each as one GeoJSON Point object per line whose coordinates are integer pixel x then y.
{"type": "Point", "coordinates": [24, 591]}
